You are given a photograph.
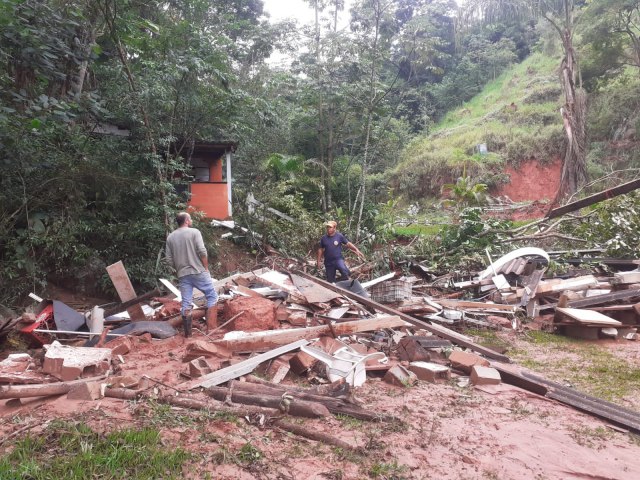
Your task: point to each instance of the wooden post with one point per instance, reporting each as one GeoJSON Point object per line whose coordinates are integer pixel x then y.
{"type": "Point", "coordinates": [120, 279]}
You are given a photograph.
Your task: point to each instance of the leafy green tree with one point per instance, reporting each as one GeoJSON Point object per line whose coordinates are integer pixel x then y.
{"type": "Point", "coordinates": [610, 39]}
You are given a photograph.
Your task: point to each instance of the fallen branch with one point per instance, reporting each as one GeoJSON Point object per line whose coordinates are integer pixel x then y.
{"type": "Point", "coordinates": [337, 406]}
{"type": "Point", "coordinates": [43, 389]}
{"type": "Point", "coordinates": [316, 435]}
{"type": "Point", "coordinates": [285, 403]}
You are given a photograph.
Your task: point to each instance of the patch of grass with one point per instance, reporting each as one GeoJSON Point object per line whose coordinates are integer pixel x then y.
{"type": "Point", "coordinates": [519, 409]}
{"type": "Point", "coordinates": [387, 470]}
{"type": "Point", "coordinates": [74, 451]}
{"type": "Point", "coordinates": [591, 437]}
{"type": "Point", "coordinates": [586, 366]}
{"type": "Point", "coordinates": [249, 454]}
{"type": "Point", "coordinates": [346, 455]}
{"type": "Point", "coordinates": [487, 337]}
{"type": "Point", "coordinates": [416, 230]}
{"type": "Point", "coordinates": [349, 422]}
{"type": "Point", "coordinates": [165, 415]}
{"type": "Point", "coordinates": [225, 416]}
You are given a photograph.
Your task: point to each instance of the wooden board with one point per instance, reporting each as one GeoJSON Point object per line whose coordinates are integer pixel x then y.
{"type": "Point", "coordinates": [462, 304]}
{"type": "Point", "coordinates": [262, 341]}
{"type": "Point", "coordinates": [588, 317]}
{"type": "Point", "coordinates": [120, 279]}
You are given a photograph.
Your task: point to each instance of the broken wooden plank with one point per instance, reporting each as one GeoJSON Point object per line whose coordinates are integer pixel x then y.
{"type": "Point", "coordinates": [242, 368]}
{"type": "Point", "coordinates": [283, 282]}
{"type": "Point", "coordinates": [122, 283]}
{"type": "Point", "coordinates": [139, 299]}
{"type": "Point", "coordinates": [433, 328]}
{"type": "Point", "coordinates": [261, 341]}
{"type": "Point", "coordinates": [595, 198]}
{"type": "Point", "coordinates": [588, 317]}
{"type": "Point", "coordinates": [625, 278]}
{"type": "Point", "coordinates": [598, 299]}
{"type": "Point", "coordinates": [464, 305]}
{"type": "Point", "coordinates": [375, 281]}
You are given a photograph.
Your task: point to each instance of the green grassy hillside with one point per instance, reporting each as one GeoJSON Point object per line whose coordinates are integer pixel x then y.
{"type": "Point", "coordinates": [516, 116]}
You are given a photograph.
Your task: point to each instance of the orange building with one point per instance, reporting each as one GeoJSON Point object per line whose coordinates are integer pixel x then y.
{"type": "Point", "coordinates": [210, 190]}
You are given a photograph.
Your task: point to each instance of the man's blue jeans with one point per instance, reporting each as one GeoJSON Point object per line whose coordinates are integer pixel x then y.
{"type": "Point", "coordinates": [201, 281]}
{"type": "Point", "coordinates": [332, 266]}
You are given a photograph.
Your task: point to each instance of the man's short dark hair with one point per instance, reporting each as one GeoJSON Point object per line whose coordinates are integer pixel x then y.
{"type": "Point", "coordinates": [181, 218]}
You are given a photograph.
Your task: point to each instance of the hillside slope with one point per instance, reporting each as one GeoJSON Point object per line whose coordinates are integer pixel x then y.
{"type": "Point", "coordinates": [516, 117]}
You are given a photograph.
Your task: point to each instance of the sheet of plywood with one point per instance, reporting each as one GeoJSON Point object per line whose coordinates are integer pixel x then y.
{"type": "Point", "coordinates": [588, 317]}
{"type": "Point", "coordinates": [313, 292]}
{"type": "Point", "coordinates": [126, 292]}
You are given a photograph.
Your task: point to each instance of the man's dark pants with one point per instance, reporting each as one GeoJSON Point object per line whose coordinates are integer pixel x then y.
{"type": "Point", "coordinates": [338, 265]}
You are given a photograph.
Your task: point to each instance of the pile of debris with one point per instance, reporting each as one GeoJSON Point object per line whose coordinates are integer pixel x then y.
{"type": "Point", "coordinates": [289, 326]}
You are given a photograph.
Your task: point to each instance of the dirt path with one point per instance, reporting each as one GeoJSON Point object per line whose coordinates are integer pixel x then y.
{"type": "Point", "coordinates": [448, 432]}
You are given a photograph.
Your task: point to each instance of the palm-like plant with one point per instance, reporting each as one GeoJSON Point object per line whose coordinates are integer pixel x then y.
{"type": "Point", "coordinates": [465, 193]}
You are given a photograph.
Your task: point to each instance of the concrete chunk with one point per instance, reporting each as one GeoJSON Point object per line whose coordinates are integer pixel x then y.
{"type": "Point", "coordinates": [86, 391]}
{"type": "Point", "coordinates": [400, 376]}
{"type": "Point", "coordinates": [199, 367]}
{"type": "Point", "coordinates": [69, 363]}
{"type": "Point", "coordinates": [430, 372]}
{"type": "Point", "coordinates": [465, 360]}
{"type": "Point", "coordinates": [409, 349]}
{"type": "Point", "coordinates": [301, 362]}
{"type": "Point", "coordinates": [484, 376]}
{"type": "Point", "coordinates": [120, 346]}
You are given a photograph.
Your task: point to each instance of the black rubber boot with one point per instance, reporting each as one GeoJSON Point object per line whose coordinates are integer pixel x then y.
{"type": "Point", "coordinates": [186, 324]}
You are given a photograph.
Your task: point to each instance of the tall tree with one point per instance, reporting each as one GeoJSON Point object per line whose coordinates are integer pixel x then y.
{"type": "Point", "coordinates": [561, 15]}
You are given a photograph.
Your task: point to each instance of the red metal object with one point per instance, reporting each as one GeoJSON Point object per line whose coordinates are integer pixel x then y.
{"type": "Point", "coordinates": [43, 320]}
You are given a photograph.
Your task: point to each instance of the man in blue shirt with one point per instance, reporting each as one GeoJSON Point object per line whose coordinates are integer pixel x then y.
{"type": "Point", "coordinates": [331, 248]}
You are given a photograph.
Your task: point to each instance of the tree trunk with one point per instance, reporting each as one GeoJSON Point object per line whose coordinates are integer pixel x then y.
{"type": "Point", "coordinates": [574, 170]}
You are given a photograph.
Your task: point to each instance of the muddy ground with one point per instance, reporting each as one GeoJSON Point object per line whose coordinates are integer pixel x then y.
{"type": "Point", "coordinates": [447, 430]}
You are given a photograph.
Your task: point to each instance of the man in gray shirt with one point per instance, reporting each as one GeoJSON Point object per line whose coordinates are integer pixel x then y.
{"type": "Point", "coordinates": [187, 254]}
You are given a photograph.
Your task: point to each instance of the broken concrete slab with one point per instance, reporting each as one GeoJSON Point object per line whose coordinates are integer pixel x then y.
{"type": "Point", "coordinates": [120, 346]}
{"type": "Point", "coordinates": [465, 361]}
{"type": "Point", "coordinates": [585, 317]}
{"type": "Point", "coordinates": [430, 372]}
{"type": "Point", "coordinates": [411, 350]}
{"type": "Point", "coordinates": [400, 376]}
{"type": "Point", "coordinates": [203, 349]}
{"type": "Point", "coordinates": [69, 363]}
{"type": "Point", "coordinates": [484, 375]}
{"type": "Point", "coordinates": [199, 367]}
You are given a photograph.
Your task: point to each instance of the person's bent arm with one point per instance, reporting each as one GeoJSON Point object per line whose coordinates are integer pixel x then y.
{"type": "Point", "coordinates": [320, 255]}
{"type": "Point", "coordinates": [355, 249]}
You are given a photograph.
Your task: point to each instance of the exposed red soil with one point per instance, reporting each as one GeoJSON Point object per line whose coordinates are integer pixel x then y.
{"type": "Point", "coordinates": [532, 181]}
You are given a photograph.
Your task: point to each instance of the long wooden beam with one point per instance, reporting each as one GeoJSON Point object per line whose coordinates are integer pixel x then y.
{"type": "Point", "coordinates": [597, 299]}
{"type": "Point", "coordinates": [263, 341]}
{"type": "Point", "coordinates": [595, 198]}
{"type": "Point", "coordinates": [439, 330]}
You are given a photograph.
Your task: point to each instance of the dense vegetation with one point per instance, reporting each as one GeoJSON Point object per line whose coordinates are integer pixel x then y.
{"type": "Point", "coordinates": [364, 120]}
